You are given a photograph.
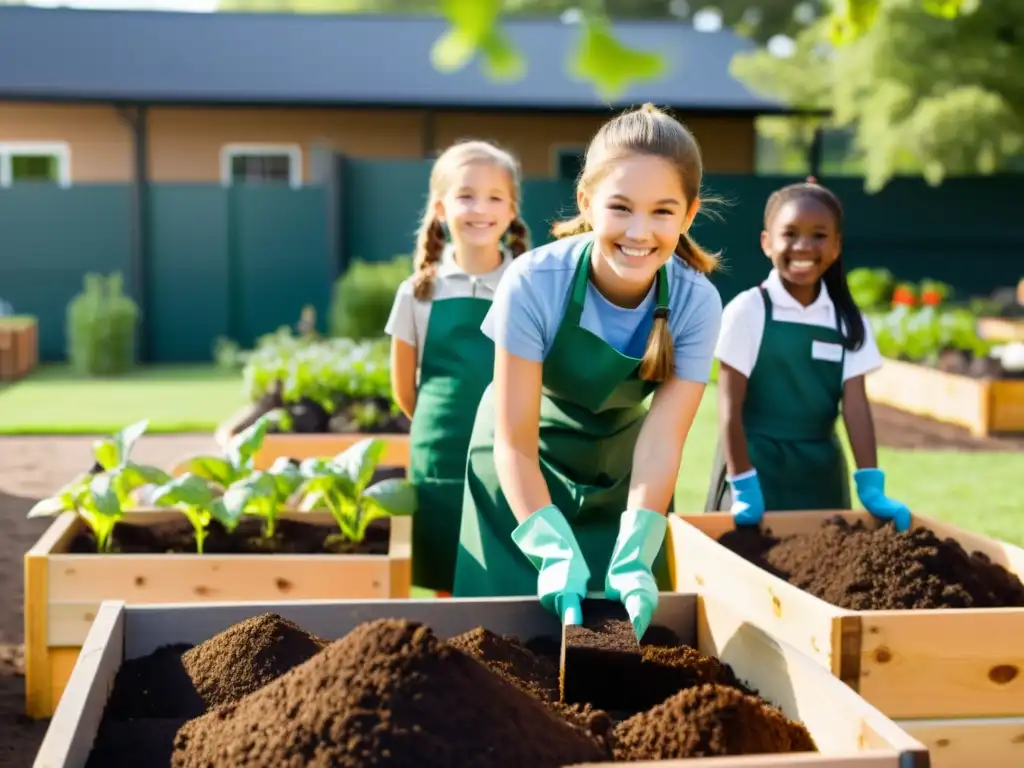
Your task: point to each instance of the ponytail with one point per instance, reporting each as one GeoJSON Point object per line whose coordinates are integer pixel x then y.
{"type": "Point", "coordinates": [694, 256]}
{"type": "Point", "coordinates": [430, 242]}
{"type": "Point", "coordinates": [846, 308]}
{"type": "Point", "coordinates": [576, 226]}
{"type": "Point", "coordinates": [518, 238]}
{"type": "Point", "coordinates": [659, 360]}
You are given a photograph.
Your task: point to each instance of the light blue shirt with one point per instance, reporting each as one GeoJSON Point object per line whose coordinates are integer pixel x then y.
{"type": "Point", "coordinates": [534, 292]}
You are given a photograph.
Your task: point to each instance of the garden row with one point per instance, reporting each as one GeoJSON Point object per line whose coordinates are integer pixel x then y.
{"type": "Point", "coordinates": [898, 634]}
{"type": "Point", "coordinates": [946, 361]}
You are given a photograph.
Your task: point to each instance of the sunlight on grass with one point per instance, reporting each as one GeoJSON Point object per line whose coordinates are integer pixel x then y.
{"type": "Point", "coordinates": [53, 400]}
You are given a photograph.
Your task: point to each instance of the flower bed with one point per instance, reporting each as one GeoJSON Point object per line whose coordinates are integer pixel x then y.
{"type": "Point", "coordinates": [320, 396]}
{"type": "Point", "coordinates": [220, 530]}
{"type": "Point", "coordinates": [949, 676]}
{"type": "Point", "coordinates": [414, 695]}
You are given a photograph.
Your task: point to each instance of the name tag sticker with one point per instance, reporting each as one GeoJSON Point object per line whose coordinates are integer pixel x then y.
{"type": "Point", "coordinates": [823, 350]}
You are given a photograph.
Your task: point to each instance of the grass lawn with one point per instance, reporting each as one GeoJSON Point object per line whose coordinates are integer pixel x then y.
{"type": "Point", "coordinates": [54, 401]}
{"type": "Point", "coordinates": [983, 492]}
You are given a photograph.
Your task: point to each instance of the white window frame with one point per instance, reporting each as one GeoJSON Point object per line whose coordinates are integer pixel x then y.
{"type": "Point", "coordinates": [59, 149]}
{"type": "Point", "coordinates": [293, 151]}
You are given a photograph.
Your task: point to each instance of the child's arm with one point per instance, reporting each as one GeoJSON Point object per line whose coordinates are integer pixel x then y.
{"type": "Point", "coordinates": [732, 392]}
{"type": "Point", "coordinates": [860, 426]}
{"type": "Point", "coordinates": [403, 375]}
{"type": "Point", "coordinates": [401, 327]}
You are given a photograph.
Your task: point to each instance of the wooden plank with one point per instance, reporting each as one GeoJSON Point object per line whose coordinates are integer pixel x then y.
{"type": "Point", "coordinates": [306, 446]}
{"type": "Point", "coordinates": [75, 722]}
{"type": "Point", "coordinates": [1007, 406]}
{"type": "Point", "coordinates": [971, 743]}
{"type": "Point", "coordinates": [848, 732]}
{"type": "Point", "coordinates": [1001, 328]}
{"type": "Point", "coordinates": [64, 591]}
{"type": "Point", "coordinates": [931, 393]}
{"type": "Point", "coordinates": [909, 664]}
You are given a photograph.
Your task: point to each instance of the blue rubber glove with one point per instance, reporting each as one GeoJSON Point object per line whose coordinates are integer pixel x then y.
{"type": "Point", "coordinates": [548, 542]}
{"type": "Point", "coordinates": [871, 491]}
{"type": "Point", "coordinates": [629, 577]}
{"type": "Point", "coordinates": [747, 500]}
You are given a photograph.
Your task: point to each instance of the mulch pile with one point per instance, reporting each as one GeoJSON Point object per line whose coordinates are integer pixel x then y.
{"type": "Point", "coordinates": [855, 566]}
{"type": "Point", "coordinates": [391, 693]}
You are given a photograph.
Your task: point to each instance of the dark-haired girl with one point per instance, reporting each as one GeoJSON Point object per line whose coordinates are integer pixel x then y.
{"type": "Point", "coordinates": [792, 350]}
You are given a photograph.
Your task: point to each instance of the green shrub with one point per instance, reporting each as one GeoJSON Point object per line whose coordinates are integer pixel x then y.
{"type": "Point", "coordinates": [363, 297]}
{"type": "Point", "coordinates": [101, 323]}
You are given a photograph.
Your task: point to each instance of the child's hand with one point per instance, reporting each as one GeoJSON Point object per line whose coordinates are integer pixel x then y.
{"type": "Point", "coordinates": [871, 491]}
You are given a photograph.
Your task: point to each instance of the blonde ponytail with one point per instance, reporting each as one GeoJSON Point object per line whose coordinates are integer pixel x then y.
{"type": "Point", "coordinates": [430, 243]}
{"type": "Point", "coordinates": [696, 257]}
{"type": "Point", "coordinates": [659, 360]}
{"type": "Point", "coordinates": [576, 226]}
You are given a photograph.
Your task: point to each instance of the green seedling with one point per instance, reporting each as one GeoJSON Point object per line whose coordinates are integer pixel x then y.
{"type": "Point", "coordinates": [199, 501]}
{"type": "Point", "coordinates": [340, 485]}
{"type": "Point", "coordinates": [264, 494]}
{"type": "Point", "coordinates": [101, 500]}
{"type": "Point", "coordinates": [238, 458]}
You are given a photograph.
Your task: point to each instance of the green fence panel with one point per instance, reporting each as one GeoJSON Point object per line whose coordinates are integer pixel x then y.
{"type": "Point", "coordinates": [280, 259]}
{"type": "Point", "coordinates": [382, 202]}
{"type": "Point", "coordinates": [189, 296]}
{"type": "Point", "coordinates": [52, 237]}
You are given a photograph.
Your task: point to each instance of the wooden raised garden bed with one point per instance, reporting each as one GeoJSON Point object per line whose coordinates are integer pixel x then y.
{"type": "Point", "coordinates": [845, 729]}
{"type": "Point", "coordinates": [309, 445]}
{"type": "Point", "coordinates": [984, 406]}
{"type": "Point", "coordinates": [63, 590]}
{"type": "Point", "coordinates": [19, 347]}
{"type": "Point", "coordinates": [1001, 328]}
{"type": "Point", "coordinates": [950, 677]}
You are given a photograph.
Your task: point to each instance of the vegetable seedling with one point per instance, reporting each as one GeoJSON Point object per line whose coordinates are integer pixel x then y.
{"type": "Point", "coordinates": [264, 494]}
{"type": "Point", "coordinates": [238, 458]}
{"type": "Point", "coordinates": [195, 497]}
{"type": "Point", "coordinates": [340, 484]}
{"type": "Point", "coordinates": [102, 499]}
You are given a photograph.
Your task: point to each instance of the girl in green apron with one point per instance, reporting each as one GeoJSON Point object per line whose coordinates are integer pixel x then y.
{"type": "Point", "coordinates": [441, 362]}
{"type": "Point", "coordinates": [570, 472]}
{"type": "Point", "coordinates": [791, 351]}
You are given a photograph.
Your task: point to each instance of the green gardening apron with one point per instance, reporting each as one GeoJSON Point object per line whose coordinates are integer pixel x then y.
{"type": "Point", "coordinates": [457, 365]}
{"type": "Point", "coordinates": [789, 418]}
{"type": "Point", "coordinates": [592, 408]}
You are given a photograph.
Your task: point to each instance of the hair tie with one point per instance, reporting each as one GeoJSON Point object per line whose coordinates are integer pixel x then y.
{"type": "Point", "coordinates": [812, 180]}
{"type": "Point", "coordinates": [661, 313]}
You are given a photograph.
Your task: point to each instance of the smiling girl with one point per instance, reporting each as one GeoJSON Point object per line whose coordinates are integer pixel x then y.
{"type": "Point", "coordinates": [569, 474]}
{"type": "Point", "coordinates": [792, 350]}
{"type": "Point", "coordinates": [441, 362]}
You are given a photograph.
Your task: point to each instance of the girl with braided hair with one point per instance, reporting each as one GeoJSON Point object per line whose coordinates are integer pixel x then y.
{"type": "Point", "coordinates": [794, 351]}
{"type": "Point", "coordinates": [441, 361]}
{"type": "Point", "coordinates": [570, 474]}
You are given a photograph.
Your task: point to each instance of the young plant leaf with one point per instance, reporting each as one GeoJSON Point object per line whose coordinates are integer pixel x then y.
{"type": "Point", "coordinates": [392, 497]}
{"type": "Point", "coordinates": [244, 445]}
{"type": "Point", "coordinates": [226, 517]}
{"type": "Point", "coordinates": [114, 451]}
{"type": "Point", "coordinates": [187, 490]}
{"type": "Point", "coordinates": [105, 499]}
{"type": "Point", "coordinates": [360, 460]}
{"type": "Point", "coordinates": [216, 469]}
{"type": "Point", "coordinates": [67, 499]}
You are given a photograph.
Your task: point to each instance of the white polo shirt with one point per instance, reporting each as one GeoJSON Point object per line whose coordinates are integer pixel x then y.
{"type": "Point", "coordinates": [743, 318]}
{"type": "Point", "coordinates": [410, 316]}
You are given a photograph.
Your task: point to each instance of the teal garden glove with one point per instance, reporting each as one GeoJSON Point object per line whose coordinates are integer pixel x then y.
{"type": "Point", "coordinates": [629, 578]}
{"type": "Point", "coordinates": [871, 492]}
{"type": "Point", "coordinates": [548, 542]}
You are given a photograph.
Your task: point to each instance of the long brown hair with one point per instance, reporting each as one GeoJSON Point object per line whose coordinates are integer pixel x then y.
{"type": "Point", "coordinates": [648, 131]}
{"type": "Point", "coordinates": [430, 239]}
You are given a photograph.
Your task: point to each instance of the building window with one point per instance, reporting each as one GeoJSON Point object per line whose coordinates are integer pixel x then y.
{"type": "Point", "coordinates": [261, 164]}
{"type": "Point", "coordinates": [23, 162]}
{"type": "Point", "coordinates": [569, 162]}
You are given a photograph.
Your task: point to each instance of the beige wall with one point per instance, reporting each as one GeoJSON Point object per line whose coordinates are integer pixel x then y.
{"type": "Point", "coordinates": [185, 144]}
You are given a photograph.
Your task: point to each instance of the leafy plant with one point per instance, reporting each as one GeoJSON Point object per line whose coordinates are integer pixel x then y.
{"type": "Point", "coordinates": [195, 497]}
{"type": "Point", "coordinates": [237, 461]}
{"type": "Point", "coordinates": [340, 485]}
{"type": "Point", "coordinates": [101, 322]}
{"type": "Point", "coordinates": [264, 493]}
{"type": "Point", "coordinates": [363, 296]}
{"type": "Point", "coordinates": [101, 500]}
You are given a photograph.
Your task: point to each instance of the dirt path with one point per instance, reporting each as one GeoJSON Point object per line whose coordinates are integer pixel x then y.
{"type": "Point", "coordinates": [31, 468]}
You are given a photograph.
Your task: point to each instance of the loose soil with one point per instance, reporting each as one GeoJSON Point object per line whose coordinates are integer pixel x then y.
{"type": "Point", "coordinates": [854, 566]}
{"type": "Point", "coordinates": [393, 693]}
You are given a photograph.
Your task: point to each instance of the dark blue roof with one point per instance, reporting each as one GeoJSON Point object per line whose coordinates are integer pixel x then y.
{"type": "Point", "coordinates": [284, 59]}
